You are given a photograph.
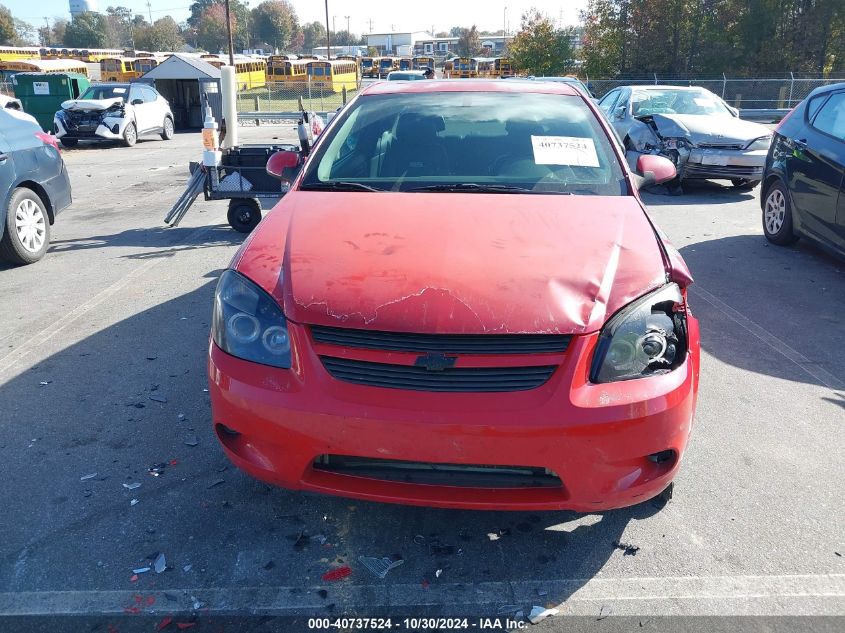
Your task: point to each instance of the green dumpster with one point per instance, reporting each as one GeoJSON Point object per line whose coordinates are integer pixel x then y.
{"type": "Point", "coordinates": [42, 94]}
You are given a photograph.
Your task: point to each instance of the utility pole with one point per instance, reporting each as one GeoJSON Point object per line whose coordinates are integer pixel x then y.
{"type": "Point", "coordinates": [371, 25]}
{"type": "Point", "coordinates": [229, 35]}
{"type": "Point", "coordinates": [328, 33]}
{"type": "Point", "coordinates": [150, 9]}
{"type": "Point", "coordinates": [348, 32]}
{"type": "Point", "coordinates": [504, 26]}
{"type": "Point", "coordinates": [47, 32]}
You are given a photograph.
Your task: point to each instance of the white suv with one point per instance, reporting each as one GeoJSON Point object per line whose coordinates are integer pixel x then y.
{"type": "Point", "coordinates": [113, 111]}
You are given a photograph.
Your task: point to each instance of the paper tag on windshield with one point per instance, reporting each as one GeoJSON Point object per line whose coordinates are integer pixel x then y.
{"type": "Point", "coordinates": [564, 150]}
{"type": "Point", "coordinates": [118, 91]}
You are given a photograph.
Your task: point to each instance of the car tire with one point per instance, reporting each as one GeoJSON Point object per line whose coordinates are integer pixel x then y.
{"type": "Point", "coordinates": [244, 215]}
{"type": "Point", "coordinates": [777, 215]}
{"type": "Point", "coordinates": [27, 234]}
{"type": "Point", "coordinates": [743, 184]}
{"type": "Point", "coordinates": [69, 142]}
{"type": "Point", "coordinates": [167, 131]}
{"type": "Point", "coordinates": [130, 135]}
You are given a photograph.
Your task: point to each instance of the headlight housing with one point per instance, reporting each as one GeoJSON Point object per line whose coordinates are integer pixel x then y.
{"type": "Point", "coordinates": [248, 323]}
{"type": "Point", "coordinates": [760, 143]}
{"type": "Point", "coordinates": [647, 337]}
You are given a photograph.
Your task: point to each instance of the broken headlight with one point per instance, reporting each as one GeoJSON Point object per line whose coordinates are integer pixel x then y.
{"type": "Point", "coordinates": [248, 323]}
{"type": "Point", "coordinates": [760, 143]}
{"type": "Point", "coordinates": [647, 337]}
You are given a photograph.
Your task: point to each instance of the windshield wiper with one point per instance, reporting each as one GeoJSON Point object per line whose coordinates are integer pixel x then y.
{"type": "Point", "coordinates": [471, 187]}
{"type": "Point", "coordinates": [337, 185]}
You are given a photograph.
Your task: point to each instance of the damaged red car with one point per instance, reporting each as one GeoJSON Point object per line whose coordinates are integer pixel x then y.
{"type": "Point", "coordinates": [461, 303]}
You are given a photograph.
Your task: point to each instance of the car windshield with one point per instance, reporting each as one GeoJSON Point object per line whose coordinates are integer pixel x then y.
{"type": "Point", "coordinates": [105, 92]}
{"type": "Point", "coordinates": [476, 142]}
{"type": "Point", "coordinates": [645, 102]}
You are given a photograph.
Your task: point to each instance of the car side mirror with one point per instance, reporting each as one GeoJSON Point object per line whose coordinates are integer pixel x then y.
{"type": "Point", "coordinates": [280, 161]}
{"type": "Point", "coordinates": [653, 170]}
{"type": "Point", "coordinates": [137, 101]}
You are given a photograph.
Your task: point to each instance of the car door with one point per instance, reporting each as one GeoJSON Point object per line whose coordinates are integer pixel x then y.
{"type": "Point", "coordinates": [7, 177]}
{"type": "Point", "coordinates": [156, 107]}
{"type": "Point", "coordinates": [816, 168]}
{"type": "Point", "coordinates": [143, 115]}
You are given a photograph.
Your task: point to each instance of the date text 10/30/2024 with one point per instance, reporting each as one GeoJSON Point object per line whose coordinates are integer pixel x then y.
{"type": "Point", "coordinates": [415, 624]}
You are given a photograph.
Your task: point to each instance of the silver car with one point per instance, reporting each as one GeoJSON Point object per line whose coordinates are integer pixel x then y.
{"type": "Point", "coordinates": [693, 127]}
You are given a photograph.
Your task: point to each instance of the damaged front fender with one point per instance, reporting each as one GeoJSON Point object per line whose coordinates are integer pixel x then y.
{"type": "Point", "coordinates": [661, 135]}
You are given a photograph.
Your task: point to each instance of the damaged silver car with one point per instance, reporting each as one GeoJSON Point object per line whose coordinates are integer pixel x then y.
{"type": "Point", "coordinates": [117, 112]}
{"type": "Point", "coordinates": [694, 128]}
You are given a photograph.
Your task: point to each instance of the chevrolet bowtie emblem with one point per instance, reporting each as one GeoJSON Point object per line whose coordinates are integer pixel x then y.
{"type": "Point", "coordinates": [435, 362]}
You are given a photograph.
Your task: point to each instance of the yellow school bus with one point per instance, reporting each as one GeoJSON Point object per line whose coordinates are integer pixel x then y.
{"type": "Point", "coordinates": [119, 69]}
{"type": "Point", "coordinates": [288, 71]}
{"type": "Point", "coordinates": [369, 66]}
{"type": "Point", "coordinates": [503, 67]}
{"type": "Point", "coordinates": [386, 65]}
{"type": "Point", "coordinates": [464, 67]}
{"type": "Point", "coordinates": [143, 65]}
{"type": "Point", "coordinates": [405, 63]}
{"type": "Point", "coordinates": [485, 66]}
{"type": "Point", "coordinates": [333, 75]}
{"type": "Point", "coordinates": [249, 73]}
{"type": "Point", "coordinates": [13, 53]}
{"type": "Point", "coordinates": [421, 63]}
{"type": "Point", "coordinates": [42, 66]}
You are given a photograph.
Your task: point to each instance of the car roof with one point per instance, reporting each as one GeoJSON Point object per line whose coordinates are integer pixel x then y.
{"type": "Point", "coordinates": [663, 87]}
{"type": "Point", "coordinates": [826, 89]}
{"type": "Point", "coordinates": [472, 85]}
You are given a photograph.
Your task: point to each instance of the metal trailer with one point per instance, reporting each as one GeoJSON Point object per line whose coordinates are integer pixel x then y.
{"type": "Point", "coordinates": [241, 179]}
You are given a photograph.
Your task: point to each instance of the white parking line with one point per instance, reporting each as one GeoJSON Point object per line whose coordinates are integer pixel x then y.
{"type": "Point", "coordinates": [821, 375]}
{"type": "Point", "coordinates": [822, 594]}
{"type": "Point", "coordinates": [8, 361]}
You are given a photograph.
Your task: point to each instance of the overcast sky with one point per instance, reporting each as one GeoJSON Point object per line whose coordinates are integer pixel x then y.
{"type": "Point", "coordinates": [402, 15]}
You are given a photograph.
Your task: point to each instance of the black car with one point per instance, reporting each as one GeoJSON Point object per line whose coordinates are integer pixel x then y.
{"type": "Point", "coordinates": [34, 187]}
{"type": "Point", "coordinates": [803, 191]}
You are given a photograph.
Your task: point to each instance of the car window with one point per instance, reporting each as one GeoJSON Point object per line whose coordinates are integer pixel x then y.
{"type": "Point", "coordinates": [669, 101]}
{"type": "Point", "coordinates": [831, 117]}
{"type": "Point", "coordinates": [544, 143]}
{"type": "Point", "coordinates": [103, 91]}
{"type": "Point", "coordinates": [814, 104]}
{"type": "Point", "coordinates": [608, 101]}
{"type": "Point", "coordinates": [147, 94]}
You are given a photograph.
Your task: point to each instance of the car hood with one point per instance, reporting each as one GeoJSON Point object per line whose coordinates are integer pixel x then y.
{"type": "Point", "coordinates": [91, 105]}
{"type": "Point", "coordinates": [454, 263]}
{"type": "Point", "coordinates": [708, 128]}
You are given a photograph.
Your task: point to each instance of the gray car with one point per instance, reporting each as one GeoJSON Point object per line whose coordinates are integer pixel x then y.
{"type": "Point", "coordinates": [34, 187]}
{"type": "Point", "coordinates": [693, 127]}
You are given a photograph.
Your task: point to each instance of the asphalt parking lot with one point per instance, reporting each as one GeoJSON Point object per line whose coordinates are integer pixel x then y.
{"type": "Point", "coordinates": [102, 376]}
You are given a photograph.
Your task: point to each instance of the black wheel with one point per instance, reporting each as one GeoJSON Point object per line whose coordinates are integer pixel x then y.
{"type": "Point", "coordinates": [777, 215]}
{"type": "Point", "coordinates": [743, 184]}
{"type": "Point", "coordinates": [69, 142]}
{"type": "Point", "coordinates": [167, 129]}
{"type": "Point", "coordinates": [130, 135]}
{"type": "Point", "coordinates": [27, 233]}
{"type": "Point", "coordinates": [244, 215]}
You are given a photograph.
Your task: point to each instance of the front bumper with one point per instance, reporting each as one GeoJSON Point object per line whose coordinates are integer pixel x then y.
{"type": "Point", "coordinates": [108, 129]}
{"type": "Point", "coordinates": [725, 164]}
{"type": "Point", "coordinates": [596, 438]}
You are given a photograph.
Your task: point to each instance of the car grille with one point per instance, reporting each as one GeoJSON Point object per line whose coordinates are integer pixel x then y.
{"type": "Point", "coordinates": [444, 343]}
{"type": "Point", "coordinates": [725, 171]}
{"type": "Point", "coordinates": [452, 379]}
{"type": "Point", "coordinates": [734, 146]}
{"type": "Point", "coordinates": [434, 474]}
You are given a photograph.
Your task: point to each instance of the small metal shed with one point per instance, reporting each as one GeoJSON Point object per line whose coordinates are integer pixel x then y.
{"type": "Point", "coordinates": [42, 94]}
{"type": "Point", "coordinates": [189, 84]}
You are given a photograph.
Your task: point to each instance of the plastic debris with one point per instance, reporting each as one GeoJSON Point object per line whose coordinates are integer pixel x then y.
{"type": "Point", "coordinates": [181, 416]}
{"type": "Point", "coordinates": [160, 563]}
{"type": "Point", "coordinates": [158, 398]}
{"type": "Point", "coordinates": [141, 570]}
{"type": "Point", "coordinates": [627, 548]}
{"type": "Point", "coordinates": [379, 566]}
{"type": "Point", "coordinates": [320, 538]}
{"type": "Point", "coordinates": [216, 482]}
{"type": "Point", "coordinates": [192, 440]}
{"type": "Point", "coordinates": [44, 383]}
{"type": "Point", "coordinates": [337, 574]}
{"type": "Point", "coordinates": [134, 502]}
{"type": "Point", "coordinates": [132, 486]}
{"type": "Point", "coordinates": [542, 592]}
{"type": "Point", "coordinates": [538, 614]}
{"type": "Point", "coordinates": [197, 604]}
{"type": "Point", "coordinates": [133, 578]}
{"type": "Point", "coordinates": [157, 470]}
{"type": "Point", "coordinates": [187, 568]}
{"type": "Point", "coordinates": [185, 625]}
{"type": "Point", "coordinates": [438, 573]}
{"type": "Point", "coordinates": [164, 623]}
{"type": "Point", "coordinates": [87, 477]}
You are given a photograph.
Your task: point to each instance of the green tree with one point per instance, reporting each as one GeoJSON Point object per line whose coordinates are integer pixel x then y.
{"type": "Point", "coordinates": [275, 22]}
{"type": "Point", "coordinates": [87, 30]}
{"type": "Point", "coordinates": [162, 35]}
{"type": "Point", "coordinates": [314, 34]}
{"type": "Point", "coordinates": [541, 49]}
{"type": "Point", "coordinates": [8, 34]}
{"type": "Point", "coordinates": [469, 43]}
{"type": "Point", "coordinates": [211, 29]}
{"type": "Point", "coordinates": [25, 33]}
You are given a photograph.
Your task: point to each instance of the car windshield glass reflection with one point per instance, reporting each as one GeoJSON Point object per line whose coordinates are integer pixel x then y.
{"type": "Point", "coordinates": [646, 102]}
{"type": "Point", "coordinates": [534, 143]}
{"type": "Point", "coordinates": [105, 92]}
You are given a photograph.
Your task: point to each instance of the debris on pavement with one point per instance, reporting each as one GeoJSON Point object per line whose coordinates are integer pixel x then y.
{"type": "Point", "coordinates": [337, 574]}
{"type": "Point", "coordinates": [538, 614]}
{"type": "Point", "coordinates": [133, 578]}
{"type": "Point", "coordinates": [419, 539]}
{"type": "Point", "coordinates": [495, 536]}
{"type": "Point", "coordinates": [187, 568]}
{"type": "Point", "coordinates": [380, 566]}
{"type": "Point", "coordinates": [132, 486]}
{"type": "Point", "coordinates": [438, 573]}
{"type": "Point", "coordinates": [164, 623]}
{"type": "Point", "coordinates": [44, 383]}
{"type": "Point", "coordinates": [627, 548]}
{"type": "Point", "coordinates": [157, 470]}
{"type": "Point", "coordinates": [604, 612]}
{"type": "Point", "coordinates": [197, 604]}
{"type": "Point", "coordinates": [157, 398]}
{"type": "Point", "coordinates": [181, 416]}
{"type": "Point", "coordinates": [141, 570]}
{"type": "Point", "coordinates": [160, 563]}
{"type": "Point", "coordinates": [216, 482]}
{"type": "Point", "coordinates": [192, 440]}
{"type": "Point", "coordinates": [134, 502]}
{"type": "Point", "coordinates": [87, 477]}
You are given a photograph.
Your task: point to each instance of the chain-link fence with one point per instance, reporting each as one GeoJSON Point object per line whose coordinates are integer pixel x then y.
{"type": "Point", "coordinates": [775, 92]}
{"type": "Point", "coordinates": [318, 96]}
{"type": "Point", "coordinates": [6, 88]}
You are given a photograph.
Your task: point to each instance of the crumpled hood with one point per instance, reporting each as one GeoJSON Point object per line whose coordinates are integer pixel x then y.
{"type": "Point", "coordinates": [708, 128]}
{"type": "Point", "coordinates": [91, 104]}
{"type": "Point", "coordinates": [454, 263]}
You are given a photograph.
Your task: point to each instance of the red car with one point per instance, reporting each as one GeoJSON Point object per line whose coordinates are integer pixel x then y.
{"type": "Point", "coordinates": [463, 303]}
